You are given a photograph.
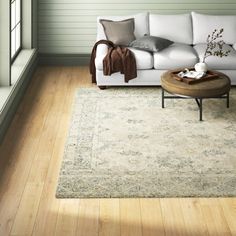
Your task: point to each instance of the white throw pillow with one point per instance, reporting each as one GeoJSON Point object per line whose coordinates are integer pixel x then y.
{"type": "Point", "coordinates": [234, 46]}
{"type": "Point", "coordinates": [177, 28]}
{"type": "Point", "coordinates": [140, 21]}
{"type": "Point", "coordinates": [203, 25]}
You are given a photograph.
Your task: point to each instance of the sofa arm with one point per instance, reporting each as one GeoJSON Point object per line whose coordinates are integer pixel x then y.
{"type": "Point", "coordinates": [102, 50]}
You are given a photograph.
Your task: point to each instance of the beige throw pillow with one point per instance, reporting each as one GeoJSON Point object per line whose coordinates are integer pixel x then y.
{"type": "Point", "coordinates": [119, 32]}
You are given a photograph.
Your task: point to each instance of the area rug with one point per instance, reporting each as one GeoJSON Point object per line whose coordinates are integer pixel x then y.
{"type": "Point", "coordinates": [121, 143]}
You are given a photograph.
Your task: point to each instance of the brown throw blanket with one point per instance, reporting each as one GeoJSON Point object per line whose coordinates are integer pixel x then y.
{"type": "Point", "coordinates": [118, 59]}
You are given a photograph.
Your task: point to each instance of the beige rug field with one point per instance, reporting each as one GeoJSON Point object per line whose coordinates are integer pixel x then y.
{"type": "Point", "coordinates": [121, 143]}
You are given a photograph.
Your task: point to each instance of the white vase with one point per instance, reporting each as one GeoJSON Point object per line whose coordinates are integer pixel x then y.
{"type": "Point", "coordinates": [201, 67]}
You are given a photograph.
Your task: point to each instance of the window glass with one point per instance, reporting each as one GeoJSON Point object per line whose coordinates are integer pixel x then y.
{"type": "Point", "coordinates": [15, 28]}
{"type": "Point", "coordinates": [13, 43]}
{"type": "Point", "coordinates": [18, 8]}
{"type": "Point", "coordinates": [18, 35]}
{"type": "Point", "coordinates": [13, 14]}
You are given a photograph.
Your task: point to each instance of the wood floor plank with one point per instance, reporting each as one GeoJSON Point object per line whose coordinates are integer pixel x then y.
{"type": "Point", "coordinates": [193, 217]}
{"type": "Point", "coordinates": [172, 217]}
{"type": "Point", "coordinates": [229, 209]}
{"type": "Point", "coordinates": [130, 217]}
{"type": "Point", "coordinates": [88, 218]}
{"type": "Point", "coordinates": [67, 217]}
{"type": "Point", "coordinates": [152, 223]}
{"type": "Point", "coordinates": [25, 217]}
{"type": "Point", "coordinates": [214, 217]}
{"type": "Point", "coordinates": [109, 218]}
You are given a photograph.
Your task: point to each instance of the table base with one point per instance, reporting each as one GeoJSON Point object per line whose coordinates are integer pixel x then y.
{"type": "Point", "coordinates": [198, 100]}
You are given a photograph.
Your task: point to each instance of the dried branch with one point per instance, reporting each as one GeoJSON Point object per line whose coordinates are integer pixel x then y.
{"type": "Point", "coordinates": [215, 46]}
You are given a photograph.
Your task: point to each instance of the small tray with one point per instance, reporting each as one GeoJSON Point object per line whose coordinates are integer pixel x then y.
{"type": "Point", "coordinates": [209, 76]}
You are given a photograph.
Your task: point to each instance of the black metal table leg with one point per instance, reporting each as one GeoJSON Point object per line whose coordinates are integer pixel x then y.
{"type": "Point", "coordinates": [200, 107]}
{"type": "Point", "coordinates": [162, 99]}
{"type": "Point", "coordinates": [199, 103]}
{"type": "Point", "coordinates": [227, 99]}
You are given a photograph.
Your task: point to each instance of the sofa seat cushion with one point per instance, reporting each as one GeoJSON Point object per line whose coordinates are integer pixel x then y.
{"type": "Point", "coordinates": [217, 63]}
{"type": "Point", "coordinates": [144, 60]}
{"type": "Point", "coordinates": [175, 56]}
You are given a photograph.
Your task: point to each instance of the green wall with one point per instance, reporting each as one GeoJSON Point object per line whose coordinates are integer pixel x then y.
{"type": "Point", "coordinates": [69, 26]}
{"type": "Point", "coordinates": [35, 23]}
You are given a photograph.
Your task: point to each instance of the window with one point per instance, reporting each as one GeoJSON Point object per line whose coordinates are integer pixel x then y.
{"type": "Point", "coordinates": [15, 28]}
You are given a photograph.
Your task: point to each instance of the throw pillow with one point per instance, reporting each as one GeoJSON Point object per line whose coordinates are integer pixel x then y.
{"type": "Point", "coordinates": [151, 43]}
{"type": "Point", "coordinates": [119, 32]}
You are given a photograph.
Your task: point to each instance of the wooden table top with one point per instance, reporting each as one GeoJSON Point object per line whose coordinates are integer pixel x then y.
{"type": "Point", "coordinates": [209, 88]}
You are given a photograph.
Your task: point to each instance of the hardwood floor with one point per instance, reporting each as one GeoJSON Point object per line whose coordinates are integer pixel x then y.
{"type": "Point", "coordinates": [30, 159]}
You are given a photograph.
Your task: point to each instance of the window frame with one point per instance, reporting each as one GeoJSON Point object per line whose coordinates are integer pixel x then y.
{"type": "Point", "coordinates": [14, 28]}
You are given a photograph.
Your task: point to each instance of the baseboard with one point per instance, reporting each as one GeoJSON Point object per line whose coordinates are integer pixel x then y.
{"type": "Point", "coordinates": [16, 96]}
{"type": "Point", "coordinates": [64, 59]}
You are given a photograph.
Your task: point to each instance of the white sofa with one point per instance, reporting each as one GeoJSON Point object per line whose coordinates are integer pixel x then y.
{"type": "Point", "coordinates": [189, 33]}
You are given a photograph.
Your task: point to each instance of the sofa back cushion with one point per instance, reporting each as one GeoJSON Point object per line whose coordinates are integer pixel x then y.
{"type": "Point", "coordinates": [140, 20]}
{"type": "Point", "coordinates": [177, 28]}
{"type": "Point", "coordinates": [203, 25]}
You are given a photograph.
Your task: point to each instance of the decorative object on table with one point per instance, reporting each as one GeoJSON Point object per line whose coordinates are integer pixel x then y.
{"type": "Point", "coordinates": [190, 76]}
{"type": "Point", "coordinates": [214, 48]}
{"type": "Point", "coordinates": [186, 73]}
{"type": "Point", "coordinates": [201, 67]}
{"type": "Point", "coordinates": [122, 144]}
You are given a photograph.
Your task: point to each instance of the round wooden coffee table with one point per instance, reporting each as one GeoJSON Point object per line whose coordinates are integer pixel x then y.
{"type": "Point", "coordinates": [219, 87]}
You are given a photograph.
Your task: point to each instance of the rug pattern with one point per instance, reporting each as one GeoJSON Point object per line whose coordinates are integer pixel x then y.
{"type": "Point", "coordinates": [121, 143]}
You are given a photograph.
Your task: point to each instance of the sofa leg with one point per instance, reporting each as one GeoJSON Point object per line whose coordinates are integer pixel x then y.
{"type": "Point", "coordinates": [102, 87]}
